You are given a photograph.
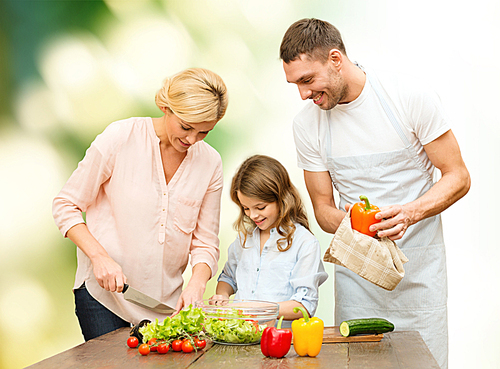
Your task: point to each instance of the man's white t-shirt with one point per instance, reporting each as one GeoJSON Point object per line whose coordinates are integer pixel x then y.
{"type": "Point", "coordinates": [362, 127]}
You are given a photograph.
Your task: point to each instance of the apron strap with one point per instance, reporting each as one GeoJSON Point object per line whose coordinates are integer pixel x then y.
{"type": "Point", "coordinates": [394, 121]}
{"type": "Point", "coordinates": [392, 118]}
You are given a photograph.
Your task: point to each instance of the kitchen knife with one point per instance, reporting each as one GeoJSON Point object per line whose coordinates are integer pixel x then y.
{"type": "Point", "coordinates": [132, 295]}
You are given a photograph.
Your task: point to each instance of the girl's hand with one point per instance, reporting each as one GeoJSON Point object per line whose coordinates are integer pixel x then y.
{"type": "Point", "coordinates": [108, 273]}
{"type": "Point", "coordinates": [218, 300]}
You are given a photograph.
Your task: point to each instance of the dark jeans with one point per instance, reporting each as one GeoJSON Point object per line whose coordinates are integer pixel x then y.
{"type": "Point", "coordinates": [95, 320]}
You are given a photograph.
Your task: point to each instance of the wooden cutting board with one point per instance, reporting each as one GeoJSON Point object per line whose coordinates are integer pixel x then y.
{"type": "Point", "coordinates": [332, 335]}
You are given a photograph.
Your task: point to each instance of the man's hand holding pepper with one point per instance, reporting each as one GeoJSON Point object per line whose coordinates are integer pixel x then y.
{"type": "Point", "coordinates": [395, 220]}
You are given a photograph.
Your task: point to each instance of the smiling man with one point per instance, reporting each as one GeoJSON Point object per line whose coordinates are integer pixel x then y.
{"type": "Point", "coordinates": [381, 136]}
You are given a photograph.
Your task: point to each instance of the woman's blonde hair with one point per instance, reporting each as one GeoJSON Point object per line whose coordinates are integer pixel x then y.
{"type": "Point", "coordinates": [264, 178]}
{"type": "Point", "coordinates": [194, 95]}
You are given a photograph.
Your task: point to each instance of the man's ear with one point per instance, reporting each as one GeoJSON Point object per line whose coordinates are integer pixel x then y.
{"type": "Point", "coordinates": [336, 57]}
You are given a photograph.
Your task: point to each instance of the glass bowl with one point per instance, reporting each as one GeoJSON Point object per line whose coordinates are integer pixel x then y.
{"type": "Point", "coordinates": [237, 322]}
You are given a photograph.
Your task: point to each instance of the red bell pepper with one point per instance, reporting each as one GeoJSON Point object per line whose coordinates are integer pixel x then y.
{"type": "Point", "coordinates": [276, 342]}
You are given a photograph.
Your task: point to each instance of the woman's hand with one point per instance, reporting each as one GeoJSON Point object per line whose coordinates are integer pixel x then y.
{"type": "Point", "coordinates": [195, 288]}
{"type": "Point", "coordinates": [108, 273]}
{"type": "Point", "coordinates": [189, 296]}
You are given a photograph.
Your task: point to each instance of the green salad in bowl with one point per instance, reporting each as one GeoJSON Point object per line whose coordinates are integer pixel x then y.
{"type": "Point", "coordinates": [237, 322]}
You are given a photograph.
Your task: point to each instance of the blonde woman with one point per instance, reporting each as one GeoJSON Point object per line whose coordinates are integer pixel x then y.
{"type": "Point", "coordinates": [151, 190]}
{"type": "Point", "coordinates": [275, 257]}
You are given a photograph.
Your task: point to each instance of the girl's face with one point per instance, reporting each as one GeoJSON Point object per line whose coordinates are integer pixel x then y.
{"type": "Point", "coordinates": [264, 214]}
{"type": "Point", "coordinates": [182, 135]}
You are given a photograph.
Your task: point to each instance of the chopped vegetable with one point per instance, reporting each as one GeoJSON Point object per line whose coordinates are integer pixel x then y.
{"type": "Point", "coordinates": [307, 334]}
{"type": "Point", "coordinates": [233, 327]}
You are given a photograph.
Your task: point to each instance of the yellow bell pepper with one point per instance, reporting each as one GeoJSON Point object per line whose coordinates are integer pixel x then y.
{"type": "Point", "coordinates": [307, 334]}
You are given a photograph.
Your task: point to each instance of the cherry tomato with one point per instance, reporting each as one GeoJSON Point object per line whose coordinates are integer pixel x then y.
{"type": "Point", "coordinates": [132, 342]}
{"type": "Point", "coordinates": [187, 346]}
{"type": "Point", "coordinates": [152, 344]}
{"type": "Point", "coordinates": [144, 349]}
{"type": "Point", "coordinates": [177, 345]}
{"type": "Point", "coordinates": [163, 348]}
{"type": "Point", "coordinates": [200, 343]}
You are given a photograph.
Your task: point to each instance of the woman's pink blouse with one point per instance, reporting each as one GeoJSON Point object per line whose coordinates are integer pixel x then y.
{"type": "Point", "coordinates": [149, 228]}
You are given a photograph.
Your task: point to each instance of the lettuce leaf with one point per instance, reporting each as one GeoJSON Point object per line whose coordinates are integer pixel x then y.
{"type": "Point", "coordinates": [188, 322]}
{"type": "Point", "coordinates": [233, 327]}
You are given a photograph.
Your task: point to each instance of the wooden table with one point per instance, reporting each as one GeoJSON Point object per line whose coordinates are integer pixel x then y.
{"type": "Point", "coordinates": [395, 350]}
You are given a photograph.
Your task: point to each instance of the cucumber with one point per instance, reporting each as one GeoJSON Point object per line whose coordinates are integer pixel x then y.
{"type": "Point", "coordinates": [365, 326]}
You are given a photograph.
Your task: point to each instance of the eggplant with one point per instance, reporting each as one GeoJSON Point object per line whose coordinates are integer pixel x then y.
{"type": "Point", "coordinates": [134, 332]}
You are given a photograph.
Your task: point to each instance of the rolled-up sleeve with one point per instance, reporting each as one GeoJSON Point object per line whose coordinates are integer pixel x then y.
{"type": "Point", "coordinates": [307, 275]}
{"type": "Point", "coordinates": [228, 274]}
{"type": "Point", "coordinates": [82, 187]}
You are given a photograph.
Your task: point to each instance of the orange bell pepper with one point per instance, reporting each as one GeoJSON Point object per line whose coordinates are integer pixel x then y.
{"type": "Point", "coordinates": [363, 216]}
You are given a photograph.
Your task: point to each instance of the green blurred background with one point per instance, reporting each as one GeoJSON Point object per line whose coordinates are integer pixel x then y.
{"type": "Point", "coordinates": [69, 68]}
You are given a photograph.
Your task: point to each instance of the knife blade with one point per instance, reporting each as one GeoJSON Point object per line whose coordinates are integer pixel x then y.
{"type": "Point", "coordinates": [137, 297]}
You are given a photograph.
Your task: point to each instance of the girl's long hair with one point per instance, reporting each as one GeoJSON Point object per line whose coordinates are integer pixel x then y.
{"type": "Point", "coordinates": [264, 178]}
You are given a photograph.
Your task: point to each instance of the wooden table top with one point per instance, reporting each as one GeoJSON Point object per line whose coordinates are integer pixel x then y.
{"type": "Point", "coordinates": [395, 350]}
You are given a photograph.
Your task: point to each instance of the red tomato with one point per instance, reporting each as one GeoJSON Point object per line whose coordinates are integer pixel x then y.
{"type": "Point", "coordinates": [200, 343]}
{"type": "Point", "coordinates": [152, 344]}
{"type": "Point", "coordinates": [144, 349]}
{"type": "Point", "coordinates": [187, 346]}
{"type": "Point", "coordinates": [163, 348]}
{"type": "Point", "coordinates": [177, 345]}
{"type": "Point", "coordinates": [132, 342]}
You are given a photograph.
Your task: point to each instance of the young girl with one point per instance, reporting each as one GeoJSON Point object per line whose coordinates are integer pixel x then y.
{"type": "Point", "coordinates": [275, 257]}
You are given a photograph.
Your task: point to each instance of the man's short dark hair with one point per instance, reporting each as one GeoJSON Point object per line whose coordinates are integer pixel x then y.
{"type": "Point", "coordinates": [312, 37]}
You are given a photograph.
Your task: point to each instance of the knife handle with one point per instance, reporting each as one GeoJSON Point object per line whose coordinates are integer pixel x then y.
{"type": "Point", "coordinates": [125, 288]}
